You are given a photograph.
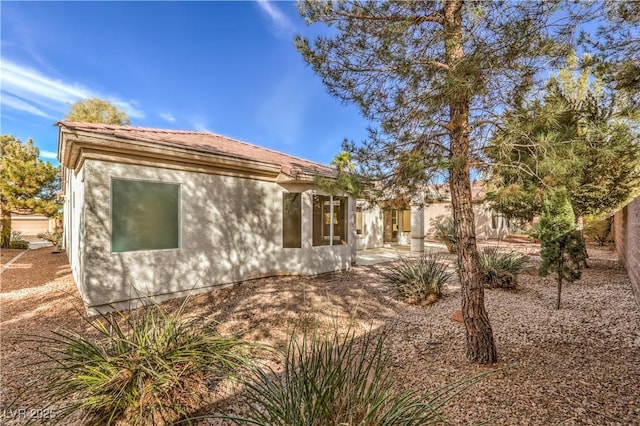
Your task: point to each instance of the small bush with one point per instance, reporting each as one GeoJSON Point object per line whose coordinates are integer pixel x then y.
{"type": "Point", "coordinates": [53, 237]}
{"type": "Point", "coordinates": [500, 269]}
{"type": "Point", "coordinates": [598, 230]}
{"type": "Point", "coordinates": [336, 380]}
{"type": "Point", "coordinates": [148, 368]}
{"type": "Point", "coordinates": [418, 280]}
{"type": "Point", "coordinates": [445, 231]}
{"type": "Point", "coordinates": [18, 241]}
{"type": "Point", "coordinates": [534, 232]}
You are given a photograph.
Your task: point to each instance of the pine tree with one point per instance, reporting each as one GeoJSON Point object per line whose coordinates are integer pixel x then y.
{"type": "Point", "coordinates": [429, 74]}
{"type": "Point", "coordinates": [562, 248]}
{"type": "Point", "coordinates": [576, 137]}
{"type": "Point", "coordinates": [27, 184]}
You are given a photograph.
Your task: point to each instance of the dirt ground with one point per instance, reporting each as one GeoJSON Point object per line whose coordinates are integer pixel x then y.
{"type": "Point", "coordinates": [7, 254]}
{"type": "Point", "coordinates": [576, 366]}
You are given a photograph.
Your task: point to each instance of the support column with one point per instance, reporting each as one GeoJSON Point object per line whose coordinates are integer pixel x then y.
{"type": "Point", "coordinates": [417, 227]}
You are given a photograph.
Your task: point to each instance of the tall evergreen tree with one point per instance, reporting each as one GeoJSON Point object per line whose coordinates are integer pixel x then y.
{"type": "Point", "coordinates": [27, 184]}
{"type": "Point", "coordinates": [431, 74]}
{"type": "Point", "coordinates": [617, 42]}
{"type": "Point", "coordinates": [96, 110]}
{"type": "Point", "coordinates": [576, 137]}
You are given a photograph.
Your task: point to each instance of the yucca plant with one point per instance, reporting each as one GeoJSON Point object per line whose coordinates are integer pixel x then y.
{"type": "Point", "coordinates": [418, 280]}
{"type": "Point", "coordinates": [144, 368]}
{"type": "Point", "coordinates": [336, 380]}
{"type": "Point", "coordinates": [445, 231]}
{"type": "Point", "coordinates": [500, 269]}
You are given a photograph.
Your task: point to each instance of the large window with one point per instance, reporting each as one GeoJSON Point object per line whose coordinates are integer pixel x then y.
{"type": "Point", "coordinates": [359, 220]}
{"type": "Point", "coordinates": [144, 215]}
{"type": "Point", "coordinates": [291, 220]}
{"type": "Point", "coordinates": [499, 221]}
{"type": "Point", "coordinates": [330, 226]}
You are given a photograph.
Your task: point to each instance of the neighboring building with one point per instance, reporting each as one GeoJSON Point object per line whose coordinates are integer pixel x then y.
{"type": "Point", "coordinates": [30, 225]}
{"type": "Point", "coordinates": [162, 213]}
{"type": "Point", "coordinates": [626, 226]}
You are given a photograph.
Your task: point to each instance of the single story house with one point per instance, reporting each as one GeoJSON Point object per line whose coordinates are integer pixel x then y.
{"type": "Point", "coordinates": [409, 223]}
{"type": "Point", "coordinates": [153, 213]}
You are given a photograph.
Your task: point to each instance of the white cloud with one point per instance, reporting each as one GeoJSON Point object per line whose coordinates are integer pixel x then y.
{"type": "Point", "coordinates": [283, 24]}
{"type": "Point", "coordinates": [199, 124]}
{"type": "Point", "coordinates": [167, 117]}
{"type": "Point", "coordinates": [49, 154]}
{"type": "Point", "coordinates": [43, 93]}
{"type": "Point", "coordinates": [13, 102]}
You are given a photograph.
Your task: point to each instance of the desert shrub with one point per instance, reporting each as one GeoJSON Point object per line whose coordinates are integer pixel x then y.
{"type": "Point", "coordinates": [144, 368]}
{"type": "Point", "coordinates": [418, 280]}
{"type": "Point", "coordinates": [336, 380]}
{"type": "Point", "coordinates": [500, 269]}
{"type": "Point", "coordinates": [598, 230]}
{"type": "Point", "coordinates": [534, 232]}
{"type": "Point", "coordinates": [18, 241]}
{"type": "Point", "coordinates": [53, 237]}
{"type": "Point", "coordinates": [444, 230]}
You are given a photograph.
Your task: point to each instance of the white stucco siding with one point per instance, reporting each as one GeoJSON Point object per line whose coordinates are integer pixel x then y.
{"type": "Point", "coordinates": [482, 214]}
{"type": "Point", "coordinates": [230, 231]}
{"type": "Point", "coordinates": [372, 228]}
{"type": "Point", "coordinates": [74, 224]}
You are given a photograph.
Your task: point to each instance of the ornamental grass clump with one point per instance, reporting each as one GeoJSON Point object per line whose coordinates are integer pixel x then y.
{"type": "Point", "coordinates": [149, 367]}
{"type": "Point", "coordinates": [445, 231]}
{"type": "Point", "coordinates": [337, 379]}
{"type": "Point", "coordinates": [500, 269]}
{"type": "Point", "coordinates": [418, 280]}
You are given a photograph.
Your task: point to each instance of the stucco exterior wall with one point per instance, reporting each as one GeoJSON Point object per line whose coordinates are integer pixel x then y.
{"type": "Point", "coordinates": [73, 239]}
{"type": "Point", "coordinates": [627, 238]}
{"type": "Point", "coordinates": [482, 214]}
{"type": "Point", "coordinates": [231, 230]}
{"type": "Point", "coordinates": [372, 228]}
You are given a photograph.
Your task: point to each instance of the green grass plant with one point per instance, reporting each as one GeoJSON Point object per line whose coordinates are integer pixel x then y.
{"type": "Point", "coordinates": [148, 367]}
{"type": "Point", "coordinates": [418, 280]}
{"type": "Point", "coordinates": [500, 268]}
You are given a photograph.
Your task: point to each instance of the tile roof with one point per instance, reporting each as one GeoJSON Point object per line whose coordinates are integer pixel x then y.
{"type": "Point", "coordinates": [208, 143]}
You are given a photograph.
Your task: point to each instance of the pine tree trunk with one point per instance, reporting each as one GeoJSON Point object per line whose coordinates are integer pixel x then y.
{"type": "Point", "coordinates": [5, 238]}
{"type": "Point", "coordinates": [559, 272]}
{"type": "Point", "coordinates": [559, 291]}
{"type": "Point", "coordinates": [480, 345]}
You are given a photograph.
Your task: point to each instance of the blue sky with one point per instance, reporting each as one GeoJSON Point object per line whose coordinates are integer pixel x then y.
{"type": "Point", "coordinates": [225, 67]}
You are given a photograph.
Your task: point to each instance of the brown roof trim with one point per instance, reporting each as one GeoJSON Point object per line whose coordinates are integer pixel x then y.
{"type": "Point", "coordinates": [202, 143]}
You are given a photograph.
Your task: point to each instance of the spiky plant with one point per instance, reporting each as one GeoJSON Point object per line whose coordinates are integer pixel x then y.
{"type": "Point", "coordinates": [444, 230]}
{"type": "Point", "coordinates": [500, 268]}
{"type": "Point", "coordinates": [337, 379]}
{"type": "Point", "coordinates": [418, 280]}
{"type": "Point", "coordinates": [144, 368]}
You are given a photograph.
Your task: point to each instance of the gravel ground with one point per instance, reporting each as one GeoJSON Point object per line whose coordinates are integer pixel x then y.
{"type": "Point", "coordinates": [576, 366]}
{"type": "Point", "coordinates": [7, 254]}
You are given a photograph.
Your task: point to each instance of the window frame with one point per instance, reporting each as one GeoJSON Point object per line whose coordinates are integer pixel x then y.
{"type": "Point", "coordinates": [111, 210]}
{"type": "Point", "coordinates": [331, 199]}
{"type": "Point", "coordinates": [299, 219]}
